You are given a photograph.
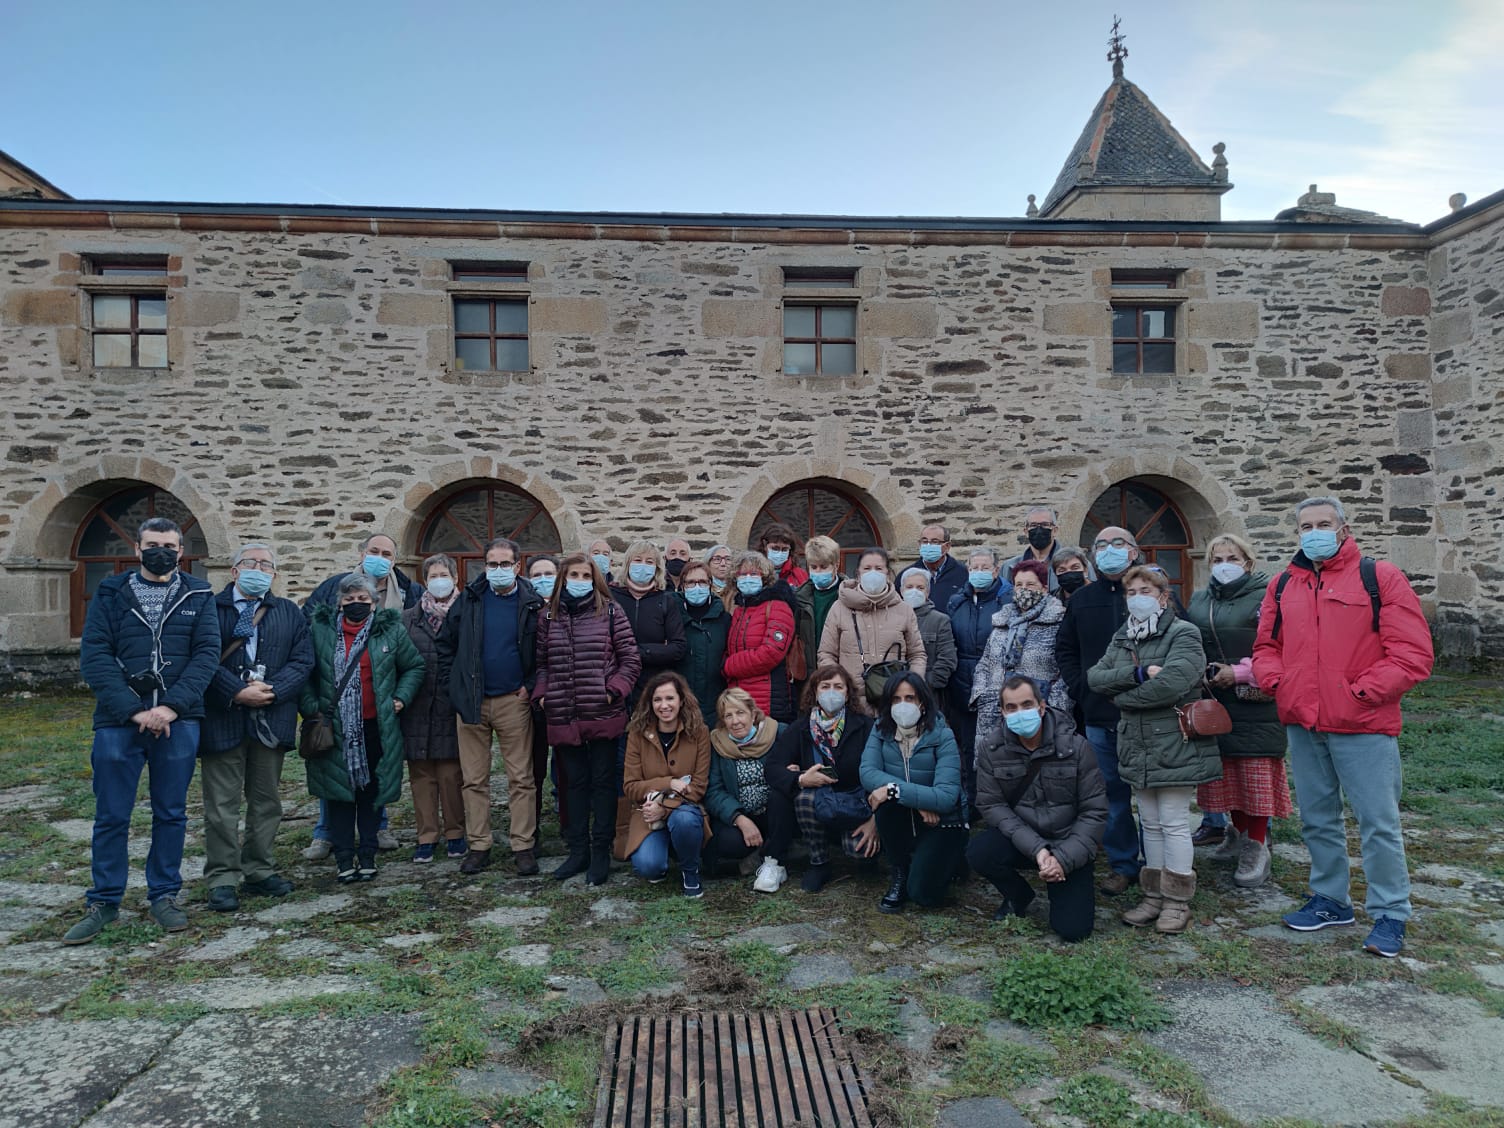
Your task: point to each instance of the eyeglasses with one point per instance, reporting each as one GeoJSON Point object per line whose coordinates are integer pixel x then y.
{"type": "Point", "coordinates": [257, 565]}
{"type": "Point", "coordinates": [1115, 542]}
{"type": "Point", "coordinates": [1032, 525]}
{"type": "Point", "coordinates": [931, 540]}
{"type": "Point", "coordinates": [720, 558]}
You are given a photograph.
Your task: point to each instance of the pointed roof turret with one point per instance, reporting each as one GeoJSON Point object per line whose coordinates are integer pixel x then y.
{"type": "Point", "coordinates": [1132, 163]}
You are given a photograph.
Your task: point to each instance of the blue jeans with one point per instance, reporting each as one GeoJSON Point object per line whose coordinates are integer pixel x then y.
{"type": "Point", "coordinates": [1121, 840]}
{"type": "Point", "coordinates": [120, 752]}
{"type": "Point", "coordinates": [322, 833]}
{"type": "Point", "coordinates": [1366, 768]}
{"type": "Point", "coordinates": [1214, 819]}
{"type": "Point", "coordinates": [685, 831]}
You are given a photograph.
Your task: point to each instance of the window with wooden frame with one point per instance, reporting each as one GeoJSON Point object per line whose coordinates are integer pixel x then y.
{"type": "Point", "coordinates": [129, 328]}
{"type": "Point", "coordinates": [819, 339]}
{"type": "Point", "coordinates": [1143, 330]}
{"type": "Point", "coordinates": [489, 271]}
{"type": "Point", "coordinates": [490, 334]}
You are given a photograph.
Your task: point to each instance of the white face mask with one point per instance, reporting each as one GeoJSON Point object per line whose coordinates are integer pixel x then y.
{"type": "Point", "coordinates": [1227, 572]}
{"type": "Point", "coordinates": [914, 597]}
{"type": "Point", "coordinates": [905, 713]}
{"type": "Point", "coordinates": [1142, 606]}
{"type": "Point", "coordinates": [441, 587]}
{"type": "Point", "coordinates": [873, 582]}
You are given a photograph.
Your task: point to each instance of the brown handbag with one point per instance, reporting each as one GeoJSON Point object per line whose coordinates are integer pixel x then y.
{"type": "Point", "coordinates": [1202, 719]}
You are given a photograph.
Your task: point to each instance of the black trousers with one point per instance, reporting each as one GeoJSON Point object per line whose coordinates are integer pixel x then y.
{"type": "Point", "coordinates": [776, 824]}
{"type": "Point", "coordinates": [1073, 902]}
{"type": "Point", "coordinates": [589, 771]}
{"type": "Point", "coordinates": [346, 818]}
{"type": "Point", "coordinates": [930, 854]}
{"type": "Point", "coordinates": [963, 725]}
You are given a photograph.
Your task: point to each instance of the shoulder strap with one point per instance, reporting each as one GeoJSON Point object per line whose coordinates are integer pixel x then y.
{"type": "Point", "coordinates": [1211, 619]}
{"type": "Point", "coordinates": [856, 630]}
{"type": "Point", "coordinates": [235, 645]}
{"type": "Point", "coordinates": [1279, 593]}
{"type": "Point", "coordinates": [352, 667]}
{"type": "Point", "coordinates": [1368, 571]}
{"type": "Point", "coordinates": [1035, 764]}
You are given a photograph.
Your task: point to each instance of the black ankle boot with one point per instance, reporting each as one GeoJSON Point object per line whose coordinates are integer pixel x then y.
{"type": "Point", "coordinates": [578, 860]}
{"type": "Point", "coordinates": [898, 892]}
{"type": "Point", "coordinates": [600, 865]}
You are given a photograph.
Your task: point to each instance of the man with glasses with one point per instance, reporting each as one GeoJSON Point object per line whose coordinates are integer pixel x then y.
{"type": "Point", "coordinates": [1039, 531]}
{"type": "Point", "coordinates": [947, 576]}
{"type": "Point", "coordinates": [250, 721]}
{"type": "Point", "coordinates": [1092, 617]}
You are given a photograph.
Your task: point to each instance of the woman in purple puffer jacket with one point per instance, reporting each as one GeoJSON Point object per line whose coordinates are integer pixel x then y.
{"type": "Point", "coordinates": [587, 665]}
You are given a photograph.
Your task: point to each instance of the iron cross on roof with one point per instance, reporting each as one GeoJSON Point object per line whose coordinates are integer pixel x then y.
{"type": "Point", "coordinates": [1116, 51]}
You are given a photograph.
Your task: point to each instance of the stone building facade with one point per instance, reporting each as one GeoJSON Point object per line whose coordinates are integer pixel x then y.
{"type": "Point", "coordinates": [317, 387]}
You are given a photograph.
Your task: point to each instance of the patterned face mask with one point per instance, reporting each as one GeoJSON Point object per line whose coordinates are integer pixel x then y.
{"type": "Point", "coordinates": [1025, 599]}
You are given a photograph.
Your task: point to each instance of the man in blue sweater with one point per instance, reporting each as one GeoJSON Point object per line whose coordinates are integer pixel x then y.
{"type": "Point", "coordinates": [149, 651]}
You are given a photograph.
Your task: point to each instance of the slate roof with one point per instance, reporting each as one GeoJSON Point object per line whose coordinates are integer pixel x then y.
{"type": "Point", "coordinates": [1127, 142]}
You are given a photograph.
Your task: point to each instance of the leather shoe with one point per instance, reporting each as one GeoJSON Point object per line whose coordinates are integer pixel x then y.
{"type": "Point", "coordinates": [1205, 835]}
{"type": "Point", "coordinates": [1115, 883]}
{"type": "Point", "coordinates": [222, 899]}
{"type": "Point", "coordinates": [527, 863]}
{"type": "Point", "coordinates": [475, 861]}
{"type": "Point", "coordinates": [274, 886]}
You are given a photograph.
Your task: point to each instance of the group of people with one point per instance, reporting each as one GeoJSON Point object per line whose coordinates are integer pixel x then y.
{"type": "Point", "coordinates": [1002, 716]}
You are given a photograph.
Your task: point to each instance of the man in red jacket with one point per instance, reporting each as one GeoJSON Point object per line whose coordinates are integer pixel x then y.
{"type": "Point", "coordinates": [1338, 657]}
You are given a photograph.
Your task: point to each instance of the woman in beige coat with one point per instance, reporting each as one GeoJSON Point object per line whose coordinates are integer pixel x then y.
{"type": "Point", "coordinates": [870, 623]}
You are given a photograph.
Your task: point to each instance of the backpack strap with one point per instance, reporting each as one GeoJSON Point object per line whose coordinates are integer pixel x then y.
{"type": "Point", "coordinates": [1279, 593]}
{"type": "Point", "coordinates": [1368, 570]}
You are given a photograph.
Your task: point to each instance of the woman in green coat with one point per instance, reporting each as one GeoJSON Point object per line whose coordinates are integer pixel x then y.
{"type": "Point", "coordinates": [1154, 664]}
{"type": "Point", "coordinates": [363, 771]}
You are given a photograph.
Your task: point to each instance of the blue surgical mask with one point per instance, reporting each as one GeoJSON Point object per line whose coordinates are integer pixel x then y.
{"type": "Point", "coordinates": [441, 587]}
{"type": "Point", "coordinates": [720, 585]}
{"type": "Point", "coordinates": [641, 574]}
{"type": "Point", "coordinates": [980, 578]}
{"type": "Point", "coordinates": [254, 582]}
{"type": "Point", "coordinates": [544, 585]}
{"type": "Point", "coordinates": [873, 582]}
{"type": "Point", "coordinates": [905, 714]}
{"type": "Point", "coordinates": [1112, 560]}
{"type": "Point", "coordinates": [1319, 544]}
{"type": "Point", "coordinates": [778, 557]}
{"type": "Point", "coordinates": [697, 595]}
{"type": "Point", "coordinates": [749, 585]}
{"type": "Point", "coordinates": [377, 567]}
{"type": "Point", "coordinates": [1142, 606]}
{"type": "Point", "coordinates": [822, 580]}
{"type": "Point", "coordinates": [578, 588]}
{"type": "Point", "coordinates": [831, 700]}
{"type": "Point", "coordinates": [603, 562]}
{"type": "Point", "coordinates": [1227, 573]}
{"type": "Point", "coordinates": [930, 553]}
{"type": "Point", "coordinates": [1025, 722]}
{"type": "Point", "coordinates": [501, 577]}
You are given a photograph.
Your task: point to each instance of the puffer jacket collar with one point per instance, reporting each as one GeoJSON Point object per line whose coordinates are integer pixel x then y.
{"type": "Point", "coordinates": [853, 597]}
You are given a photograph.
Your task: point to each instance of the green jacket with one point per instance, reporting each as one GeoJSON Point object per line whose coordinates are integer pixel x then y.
{"type": "Point", "coordinates": [396, 673]}
{"type": "Point", "coordinates": [1256, 730]}
{"type": "Point", "coordinates": [1151, 751]}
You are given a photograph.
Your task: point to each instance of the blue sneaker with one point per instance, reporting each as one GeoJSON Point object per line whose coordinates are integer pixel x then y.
{"type": "Point", "coordinates": [1387, 937]}
{"type": "Point", "coordinates": [423, 852]}
{"type": "Point", "coordinates": [456, 847]}
{"type": "Point", "coordinates": [1319, 912]}
{"type": "Point", "coordinates": [692, 886]}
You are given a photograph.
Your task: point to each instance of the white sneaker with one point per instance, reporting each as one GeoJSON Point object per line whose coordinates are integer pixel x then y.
{"type": "Point", "coordinates": [770, 875]}
{"type": "Point", "coordinates": [319, 850]}
{"type": "Point", "coordinates": [1253, 865]}
{"type": "Point", "coordinates": [1230, 849]}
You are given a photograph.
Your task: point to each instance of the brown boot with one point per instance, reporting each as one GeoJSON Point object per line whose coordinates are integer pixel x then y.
{"type": "Point", "coordinates": [1147, 911]}
{"type": "Point", "coordinates": [1178, 888]}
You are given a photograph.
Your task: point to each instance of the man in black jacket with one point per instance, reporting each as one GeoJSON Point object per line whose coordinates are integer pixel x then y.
{"type": "Point", "coordinates": [250, 721]}
{"type": "Point", "coordinates": [947, 574]}
{"type": "Point", "coordinates": [1042, 797]}
{"type": "Point", "coordinates": [1092, 617]}
{"type": "Point", "coordinates": [150, 646]}
{"type": "Point", "coordinates": [488, 661]}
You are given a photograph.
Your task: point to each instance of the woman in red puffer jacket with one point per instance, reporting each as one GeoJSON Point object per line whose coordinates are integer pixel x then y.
{"type": "Point", "coordinates": [762, 631]}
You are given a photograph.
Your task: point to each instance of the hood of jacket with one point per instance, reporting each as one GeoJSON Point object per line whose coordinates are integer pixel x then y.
{"type": "Point", "coordinates": [856, 599]}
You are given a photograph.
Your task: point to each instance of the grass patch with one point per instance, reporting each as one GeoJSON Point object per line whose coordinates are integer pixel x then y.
{"type": "Point", "coordinates": [989, 1064]}
{"type": "Point", "coordinates": [1074, 989]}
{"type": "Point", "coordinates": [1103, 1102]}
{"type": "Point", "coordinates": [866, 1004]}
{"type": "Point", "coordinates": [1327, 1029]}
{"type": "Point", "coordinates": [550, 1107]}
{"type": "Point", "coordinates": [423, 1096]}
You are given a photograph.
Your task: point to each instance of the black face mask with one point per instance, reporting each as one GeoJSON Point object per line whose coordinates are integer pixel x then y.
{"type": "Point", "coordinates": [1071, 581]}
{"type": "Point", "coordinates": [1041, 538]}
{"type": "Point", "coordinates": [159, 561]}
{"type": "Point", "coordinates": [357, 612]}
{"type": "Point", "coordinates": [675, 567]}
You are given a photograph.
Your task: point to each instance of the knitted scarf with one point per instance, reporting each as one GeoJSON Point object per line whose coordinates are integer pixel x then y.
{"type": "Point", "coordinates": [351, 724]}
{"type": "Point", "coordinates": [754, 749]}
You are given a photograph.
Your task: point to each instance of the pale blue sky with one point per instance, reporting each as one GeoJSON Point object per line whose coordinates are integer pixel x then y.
{"type": "Point", "coordinates": [952, 107]}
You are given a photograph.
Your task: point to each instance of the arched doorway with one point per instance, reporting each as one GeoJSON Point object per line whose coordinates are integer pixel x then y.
{"type": "Point", "coordinates": [1162, 532]}
{"type": "Point", "coordinates": [468, 519]}
{"type": "Point", "coordinates": [820, 508]}
{"type": "Point", "coordinates": [106, 542]}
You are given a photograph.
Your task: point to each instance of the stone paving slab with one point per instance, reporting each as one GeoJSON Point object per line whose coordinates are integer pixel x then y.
{"type": "Point", "coordinates": [817, 971]}
{"type": "Point", "coordinates": [782, 937]}
{"type": "Point", "coordinates": [1280, 1070]}
{"type": "Point", "coordinates": [45, 956]}
{"type": "Point", "coordinates": [41, 894]}
{"type": "Point", "coordinates": [57, 1072]}
{"type": "Point", "coordinates": [981, 1112]}
{"type": "Point", "coordinates": [1447, 1043]}
{"type": "Point", "coordinates": [235, 942]}
{"type": "Point", "coordinates": [512, 916]}
{"type": "Point", "coordinates": [497, 1080]}
{"type": "Point", "coordinates": [527, 955]}
{"type": "Point", "coordinates": [577, 992]}
{"type": "Point", "coordinates": [247, 992]}
{"type": "Point", "coordinates": [238, 1069]}
{"type": "Point", "coordinates": [411, 940]}
{"type": "Point", "coordinates": [22, 994]}
{"type": "Point", "coordinates": [31, 797]}
{"type": "Point", "coordinates": [290, 911]}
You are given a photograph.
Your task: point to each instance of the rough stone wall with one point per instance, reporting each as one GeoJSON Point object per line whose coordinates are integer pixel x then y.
{"type": "Point", "coordinates": [1467, 341]}
{"type": "Point", "coordinates": [312, 393]}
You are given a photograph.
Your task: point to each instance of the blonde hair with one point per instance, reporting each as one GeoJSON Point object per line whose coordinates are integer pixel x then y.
{"type": "Point", "coordinates": [1238, 543]}
{"type": "Point", "coordinates": [822, 552]}
{"type": "Point", "coordinates": [738, 696]}
{"type": "Point", "coordinates": [646, 548]}
{"type": "Point", "coordinates": [1150, 573]}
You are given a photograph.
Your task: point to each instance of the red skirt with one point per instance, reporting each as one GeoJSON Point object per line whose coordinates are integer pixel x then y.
{"type": "Point", "coordinates": [1255, 785]}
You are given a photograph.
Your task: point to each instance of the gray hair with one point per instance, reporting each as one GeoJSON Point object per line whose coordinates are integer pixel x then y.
{"type": "Point", "coordinates": [158, 525]}
{"type": "Point", "coordinates": [353, 582]}
{"type": "Point", "coordinates": [985, 550]}
{"type": "Point", "coordinates": [1313, 502]}
{"type": "Point", "coordinates": [924, 573]}
{"type": "Point", "coordinates": [1071, 552]}
{"type": "Point", "coordinates": [243, 549]}
{"type": "Point", "coordinates": [1050, 509]}
{"type": "Point", "coordinates": [713, 549]}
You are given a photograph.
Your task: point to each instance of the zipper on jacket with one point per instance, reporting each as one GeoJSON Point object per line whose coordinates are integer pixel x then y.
{"type": "Point", "coordinates": [157, 662]}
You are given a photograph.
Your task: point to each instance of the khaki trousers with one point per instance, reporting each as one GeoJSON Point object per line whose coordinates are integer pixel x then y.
{"type": "Point", "coordinates": [436, 786]}
{"type": "Point", "coordinates": [252, 772]}
{"type": "Point", "coordinates": [511, 719]}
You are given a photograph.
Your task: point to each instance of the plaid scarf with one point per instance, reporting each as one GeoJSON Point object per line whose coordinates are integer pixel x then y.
{"type": "Point", "coordinates": [351, 723]}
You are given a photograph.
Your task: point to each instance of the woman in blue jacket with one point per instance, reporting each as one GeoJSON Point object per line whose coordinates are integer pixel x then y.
{"type": "Point", "coordinates": [911, 771]}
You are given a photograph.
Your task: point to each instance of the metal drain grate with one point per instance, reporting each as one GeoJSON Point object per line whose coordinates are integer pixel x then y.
{"type": "Point", "coordinates": [758, 1069]}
